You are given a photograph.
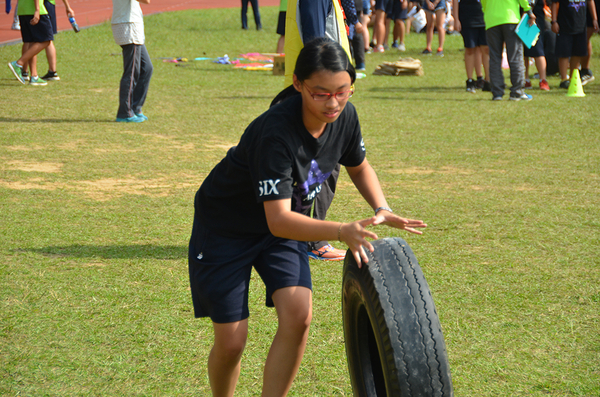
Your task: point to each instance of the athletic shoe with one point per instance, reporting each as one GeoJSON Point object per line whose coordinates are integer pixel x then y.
{"type": "Point", "coordinates": [369, 50]}
{"type": "Point", "coordinates": [327, 253]}
{"type": "Point", "coordinates": [471, 86]}
{"type": "Point", "coordinates": [544, 85]}
{"type": "Point", "coordinates": [528, 85]}
{"type": "Point", "coordinates": [17, 71]}
{"type": "Point", "coordinates": [564, 84]}
{"type": "Point", "coordinates": [25, 76]}
{"type": "Point", "coordinates": [401, 47]}
{"type": "Point", "coordinates": [497, 98]}
{"type": "Point", "coordinates": [426, 52]}
{"type": "Point", "coordinates": [16, 26]}
{"type": "Point", "coordinates": [132, 119]}
{"type": "Point", "coordinates": [51, 76]}
{"type": "Point", "coordinates": [586, 76]}
{"type": "Point", "coordinates": [523, 97]}
{"type": "Point", "coordinates": [386, 47]}
{"type": "Point", "coordinates": [395, 45]}
{"type": "Point", "coordinates": [35, 80]}
{"type": "Point", "coordinates": [440, 53]}
{"type": "Point", "coordinates": [142, 116]}
{"type": "Point", "coordinates": [379, 48]}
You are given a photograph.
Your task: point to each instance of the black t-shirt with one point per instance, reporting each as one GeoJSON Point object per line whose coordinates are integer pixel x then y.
{"type": "Point", "coordinates": [276, 158]}
{"type": "Point", "coordinates": [571, 16]}
{"type": "Point", "coordinates": [470, 14]}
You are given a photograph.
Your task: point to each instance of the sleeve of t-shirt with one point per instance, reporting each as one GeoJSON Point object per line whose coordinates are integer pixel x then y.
{"type": "Point", "coordinates": [271, 169]}
{"type": "Point", "coordinates": [354, 153]}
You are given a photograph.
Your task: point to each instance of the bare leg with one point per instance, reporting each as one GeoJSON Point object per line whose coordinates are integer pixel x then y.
{"type": "Point", "coordinates": [563, 66]}
{"type": "Point", "coordinates": [224, 361]}
{"type": "Point", "coordinates": [429, 29]}
{"type": "Point", "coordinates": [29, 55]}
{"type": "Point", "coordinates": [51, 56]}
{"type": "Point", "coordinates": [280, 44]}
{"type": "Point", "coordinates": [440, 16]}
{"type": "Point", "coordinates": [485, 58]}
{"type": "Point", "coordinates": [379, 27]}
{"type": "Point", "coordinates": [365, 32]}
{"type": "Point", "coordinates": [540, 65]}
{"type": "Point", "coordinates": [575, 61]}
{"type": "Point", "coordinates": [294, 312]}
{"type": "Point", "coordinates": [470, 61]}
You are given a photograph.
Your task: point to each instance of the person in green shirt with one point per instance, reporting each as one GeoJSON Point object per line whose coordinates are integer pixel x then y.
{"type": "Point", "coordinates": [36, 32]}
{"type": "Point", "coordinates": [501, 18]}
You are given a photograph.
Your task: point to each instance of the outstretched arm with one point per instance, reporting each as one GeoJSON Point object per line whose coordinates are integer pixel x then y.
{"type": "Point", "coordinates": [367, 183]}
{"type": "Point", "coordinates": [285, 223]}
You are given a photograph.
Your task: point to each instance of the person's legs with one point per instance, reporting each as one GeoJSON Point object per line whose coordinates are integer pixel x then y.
{"type": "Point", "coordinates": [225, 356]}
{"type": "Point", "coordinates": [429, 29]}
{"type": "Point", "coordinates": [28, 54]}
{"type": "Point", "coordinates": [563, 68]}
{"type": "Point", "coordinates": [256, 12]}
{"type": "Point", "coordinates": [399, 30]}
{"type": "Point", "coordinates": [495, 40]}
{"type": "Point", "coordinates": [294, 314]}
{"type": "Point", "coordinates": [540, 65]}
{"type": "Point", "coordinates": [485, 60]}
{"type": "Point", "coordinates": [245, 14]}
{"type": "Point", "coordinates": [440, 17]}
{"type": "Point", "coordinates": [365, 32]}
{"type": "Point", "coordinates": [379, 28]}
{"type": "Point", "coordinates": [514, 54]}
{"type": "Point", "coordinates": [131, 72]}
{"type": "Point", "coordinates": [477, 62]}
{"type": "Point", "coordinates": [574, 64]}
{"type": "Point", "coordinates": [51, 56]}
{"type": "Point", "coordinates": [140, 90]}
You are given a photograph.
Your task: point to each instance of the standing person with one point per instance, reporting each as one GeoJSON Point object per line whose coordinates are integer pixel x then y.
{"type": "Point", "coordinates": [569, 24]}
{"type": "Point", "coordinates": [586, 73]}
{"type": "Point", "coordinates": [255, 11]}
{"type": "Point", "coordinates": [435, 11]}
{"type": "Point", "coordinates": [592, 27]}
{"type": "Point", "coordinates": [380, 28]}
{"type": "Point", "coordinates": [36, 33]}
{"type": "Point", "coordinates": [281, 26]}
{"type": "Point", "coordinates": [355, 36]}
{"type": "Point", "coordinates": [501, 19]}
{"type": "Point", "coordinates": [468, 20]}
{"type": "Point", "coordinates": [51, 49]}
{"type": "Point", "coordinates": [128, 32]}
{"type": "Point", "coordinates": [249, 214]}
{"type": "Point", "coordinates": [399, 16]}
{"type": "Point", "coordinates": [537, 51]}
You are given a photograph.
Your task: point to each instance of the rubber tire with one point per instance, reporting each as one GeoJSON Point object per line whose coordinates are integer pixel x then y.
{"type": "Point", "coordinates": [394, 341]}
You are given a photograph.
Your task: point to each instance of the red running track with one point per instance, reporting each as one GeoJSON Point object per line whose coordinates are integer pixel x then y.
{"type": "Point", "coordinates": [93, 12]}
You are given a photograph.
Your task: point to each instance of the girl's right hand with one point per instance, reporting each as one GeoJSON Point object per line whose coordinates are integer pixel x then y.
{"type": "Point", "coordinates": [355, 236]}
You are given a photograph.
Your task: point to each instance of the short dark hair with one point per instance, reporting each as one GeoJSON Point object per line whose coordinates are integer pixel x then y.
{"type": "Point", "coordinates": [323, 54]}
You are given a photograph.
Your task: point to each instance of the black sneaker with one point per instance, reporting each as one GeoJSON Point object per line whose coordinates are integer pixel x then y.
{"type": "Point", "coordinates": [564, 84]}
{"type": "Point", "coordinates": [586, 76]}
{"type": "Point", "coordinates": [426, 52]}
{"type": "Point", "coordinates": [50, 76]}
{"type": "Point", "coordinates": [471, 86]}
{"type": "Point", "coordinates": [487, 86]}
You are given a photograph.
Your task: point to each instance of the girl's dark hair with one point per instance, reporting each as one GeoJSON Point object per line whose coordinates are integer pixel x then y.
{"type": "Point", "coordinates": [323, 54]}
{"type": "Point", "coordinates": [317, 55]}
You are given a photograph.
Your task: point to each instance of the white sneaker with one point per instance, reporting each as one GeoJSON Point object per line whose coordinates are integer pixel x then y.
{"type": "Point", "coordinates": [401, 47]}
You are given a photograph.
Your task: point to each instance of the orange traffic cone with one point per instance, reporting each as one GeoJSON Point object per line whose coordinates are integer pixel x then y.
{"type": "Point", "coordinates": [575, 87]}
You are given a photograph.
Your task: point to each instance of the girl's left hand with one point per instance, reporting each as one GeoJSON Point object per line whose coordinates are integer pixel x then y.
{"type": "Point", "coordinates": [387, 218]}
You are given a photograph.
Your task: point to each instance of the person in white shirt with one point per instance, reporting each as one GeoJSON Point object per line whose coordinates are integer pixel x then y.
{"type": "Point", "coordinates": [128, 32]}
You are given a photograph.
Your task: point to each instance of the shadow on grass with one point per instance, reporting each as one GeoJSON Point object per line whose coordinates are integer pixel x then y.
{"type": "Point", "coordinates": [21, 120]}
{"type": "Point", "coordinates": [142, 251]}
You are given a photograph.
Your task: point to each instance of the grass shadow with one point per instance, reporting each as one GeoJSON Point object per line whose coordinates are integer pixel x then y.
{"type": "Point", "coordinates": [134, 251]}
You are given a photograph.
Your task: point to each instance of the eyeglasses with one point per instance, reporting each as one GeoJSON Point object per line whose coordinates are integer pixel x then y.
{"type": "Point", "coordinates": [325, 96]}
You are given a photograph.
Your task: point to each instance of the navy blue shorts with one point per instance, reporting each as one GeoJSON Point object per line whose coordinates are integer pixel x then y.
{"type": "Point", "coordinates": [51, 8]}
{"type": "Point", "coordinates": [571, 45]}
{"type": "Point", "coordinates": [385, 5]}
{"type": "Point", "coordinates": [366, 7]}
{"type": "Point", "coordinates": [38, 33]}
{"type": "Point", "coordinates": [398, 12]}
{"type": "Point", "coordinates": [473, 37]}
{"type": "Point", "coordinates": [281, 23]}
{"type": "Point", "coordinates": [220, 269]}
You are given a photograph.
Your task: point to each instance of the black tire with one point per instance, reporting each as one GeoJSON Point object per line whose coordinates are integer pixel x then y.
{"type": "Point", "coordinates": [394, 341]}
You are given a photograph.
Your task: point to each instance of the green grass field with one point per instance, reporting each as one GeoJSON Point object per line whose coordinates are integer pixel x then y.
{"type": "Point", "coordinates": [95, 219]}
